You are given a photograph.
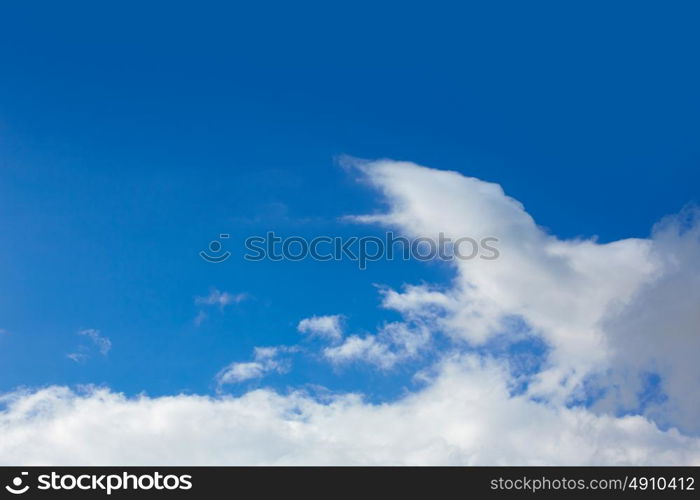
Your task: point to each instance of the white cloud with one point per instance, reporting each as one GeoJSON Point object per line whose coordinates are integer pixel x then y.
{"type": "Point", "coordinates": [659, 331]}
{"type": "Point", "coordinates": [465, 415]}
{"type": "Point", "coordinates": [395, 342]}
{"type": "Point", "coordinates": [100, 342]}
{"type": "Point", "coordinates": [200, 318]}
{"type": "Point", "coordinates": [78, 357]}
{"type": "Point", "coordinates": [216, 298]}
{"type": "Point", "coordinates": [221, 299]}
{"type": "Point", "coordinates": [610, 314]}
{"type": "Point", "coordinates": [238, 372]}
{"type": "Point", "coordinates": [103, 344]}
{"type": "Point", "coordinates": [265, 360]}
{"type": "Point", "coordinates": [327, 327]}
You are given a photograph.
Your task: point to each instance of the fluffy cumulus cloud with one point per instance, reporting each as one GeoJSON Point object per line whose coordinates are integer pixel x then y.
{"type": "Point", "coordinates": [265, 360]}
{"type": "Point", "coordinates": [327, 327]}
{"type": "Point", "coordinates": [464, 415]}
{"type": "Point", "coordinates": [610, 375]}
{"type": "Point", "coordinates": [613, 315]}
{"type": "Point", "coordinates": [393, 343]}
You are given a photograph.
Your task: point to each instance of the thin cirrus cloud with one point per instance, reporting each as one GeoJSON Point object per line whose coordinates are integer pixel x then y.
{"type": "Point", "coordinates": [609, 315]}
{"type": "Point", "coordinates": [97, 342]}
{"type": "Point", "coordinates": [216, 298]}
{"type": "Point", "coordinates": [219, 298]}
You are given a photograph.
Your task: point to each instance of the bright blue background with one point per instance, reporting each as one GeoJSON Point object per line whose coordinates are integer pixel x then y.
{"type": "Point", "coordinates": [131, 134]}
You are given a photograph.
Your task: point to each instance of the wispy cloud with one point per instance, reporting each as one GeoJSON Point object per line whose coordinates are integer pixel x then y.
{"type": "Point", "coordinates": [219, 298]}
{"type": "Point", "coordinates": [78, 357]}
{"type": "Point", "coordinates": [102, 343]}
{"type": "Point", "coordinates": [265, 360]}
{"type": "Point", "coordinates": [200, 318]}
{"type": "Point", "coordinates": [216, 298]}
{"type": "Point", "coordinates": [99, 342]}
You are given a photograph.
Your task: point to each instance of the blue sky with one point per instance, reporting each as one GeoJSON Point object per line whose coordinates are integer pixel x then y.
{"type": "Point", "coordinates": [131, 135]}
